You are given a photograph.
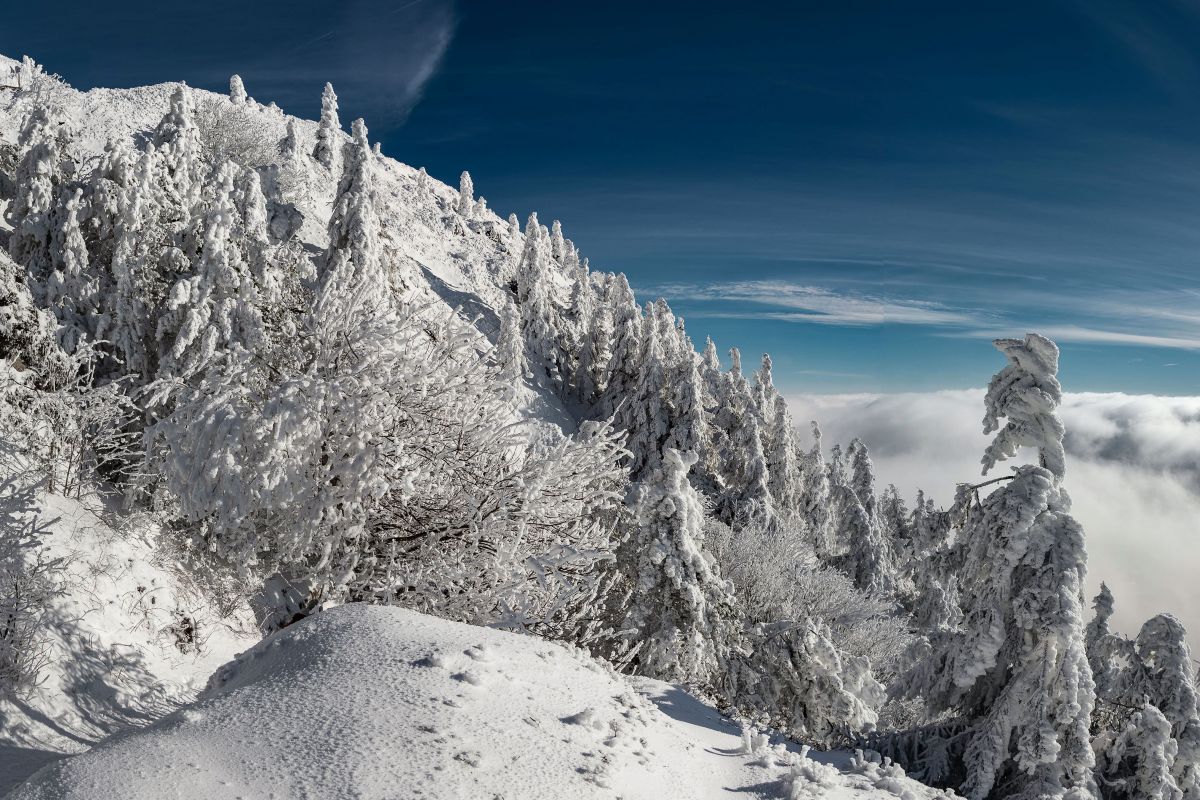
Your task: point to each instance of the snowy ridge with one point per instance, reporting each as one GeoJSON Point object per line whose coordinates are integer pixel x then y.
{"type": "Point", "coordinates": [466, 268]}
{"type": "Point", "coordinates": [376, 702]}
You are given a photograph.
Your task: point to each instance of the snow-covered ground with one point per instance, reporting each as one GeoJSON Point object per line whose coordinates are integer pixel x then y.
{"type": "Point", "coordinates": [130, 639]}
{"type": "Point", "coordinates": [372, 702]}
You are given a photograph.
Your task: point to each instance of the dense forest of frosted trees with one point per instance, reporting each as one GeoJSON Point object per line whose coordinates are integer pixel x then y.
{"type": "Point", "coordinates": [310, 427]}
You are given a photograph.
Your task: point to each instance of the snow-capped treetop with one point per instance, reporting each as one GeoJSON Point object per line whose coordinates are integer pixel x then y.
{"type": "Point", "coordinates": [1026, 393]}
{"type": "Point", "coordinates": [328, 130]}
{"type": "Point", "coordinates": [237, 91]}
{"type": "Point", "coordinates": [466, 194]}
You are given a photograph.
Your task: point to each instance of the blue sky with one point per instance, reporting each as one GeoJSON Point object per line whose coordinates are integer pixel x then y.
{"type": "Point", "coordinates": [868, 190]}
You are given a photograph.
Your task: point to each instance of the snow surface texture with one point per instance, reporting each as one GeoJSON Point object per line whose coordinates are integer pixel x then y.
{"type": "Point", "coordinates": [376, 702]}
{"type": "Point", "coordinates": [130, 640]}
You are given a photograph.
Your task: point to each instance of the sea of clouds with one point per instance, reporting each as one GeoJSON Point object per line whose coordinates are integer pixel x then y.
{"type": "Point", "coordinates": [1133, 473]}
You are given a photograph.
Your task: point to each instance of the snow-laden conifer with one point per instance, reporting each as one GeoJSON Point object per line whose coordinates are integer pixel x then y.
{"type": "Point", "coordinates": [466, 195]}
{"type": "Point", "coordinates": [327, 150]}
{"type": "Point", "coordinates": [72, 290]}
{"type": "Point", "coordinates": [237, 90]}
{"type": "Point", "coordinates": [215, 312]}
{"type": "Point", "coordinates": [510, 346]}
{"type": "Point", "coordinates": [815, 497]}
{"type": "Point", "coordinates": [1017, 671]}
{"type": "Point", "coordinates": [539, 317]}
{"type": "Point", "coordinates": [679, 604]}
{"type": "Point", "coordinates": [179, 164]}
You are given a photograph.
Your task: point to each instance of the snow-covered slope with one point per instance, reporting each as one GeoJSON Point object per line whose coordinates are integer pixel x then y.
{"type": "Point", "coordinates": [130, 638]}
{"type": "Point", "coordinates": [461, 263]}
{"type": "Point", "coordinates": [372, 702]}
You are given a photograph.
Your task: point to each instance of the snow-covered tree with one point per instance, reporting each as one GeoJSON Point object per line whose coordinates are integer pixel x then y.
{"type": "Point", "coordinates": [289, 145]}
{"type": "Point", "coordinates": [510, 346]}
{"type": "Point", "coordinates": [72, 290]}
{"type": "Point", "coordinates": [765, 393]}
{"type": "Point", "coordinates": [815, 497]}
{"type": "Point", "coordinates": [43, 167]}
{"type": "Point", "coordinates": [1025, 394]}
{"type": "Point", "coordinates": [179, 167]}
{"type": "Point", "coordinates": [466, 195]}
{"type": "Point", "coordinates": [797, 679]}
{"type": "Point", "coordinates": [1016, 671]}
{"type": "Point", "coordinates": [1102, 644]}
{"type": "Point", "coordinates": [558, 247]}
{"type": "Point", "coordinates": [237, 91]}
{"type": "Point", "coordinates": [679, 606]}
{"type": "Point", "coordinates": [623, 371]}
{"type": "Point", "coordinates": [215, 311]}
{"type": "Point", "coordinates": [128, 318]}
{"type": "Point", "coordinates": [327, 150]}
{"type": "Point", "coordinates": [689, 428]}
{"type": "Point", "coordinates": [783, 460]}
{"type": "Point", "coordinates": [1165, 675]}
{"type": "Point", "coordinates": [539, 317]}
{"type": "Point", "coordinates": [1141, 762]}
{"type": "Point", "coordinates": [745, 472]}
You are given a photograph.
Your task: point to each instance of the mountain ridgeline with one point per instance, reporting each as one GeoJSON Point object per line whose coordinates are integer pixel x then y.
{"type": "Point", "coordinates": [332, 379]}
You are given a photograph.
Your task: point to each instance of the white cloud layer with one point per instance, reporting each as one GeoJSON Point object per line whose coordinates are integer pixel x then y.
{"type": "Point", "coordinates": [1133, 473]}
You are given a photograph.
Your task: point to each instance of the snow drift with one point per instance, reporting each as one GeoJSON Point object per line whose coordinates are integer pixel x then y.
{"type": "Point", "coordinates": [379, 702]}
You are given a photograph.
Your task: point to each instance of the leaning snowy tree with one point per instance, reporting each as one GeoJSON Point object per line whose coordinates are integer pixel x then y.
{"type": "Point", "coordinates": [1015, 672]}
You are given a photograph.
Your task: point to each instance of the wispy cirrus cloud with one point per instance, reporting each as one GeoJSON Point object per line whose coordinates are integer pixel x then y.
{"type": "Point", "coordinates": [1147, 319]}
{"type": "Point", "coordinates": [792, 302]}
{"type": "Point", "coordinates": [1077, 333]}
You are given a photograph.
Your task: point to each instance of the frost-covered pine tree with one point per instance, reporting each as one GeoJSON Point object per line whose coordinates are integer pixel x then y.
{"type": "Point", "coordinates": [581, 347]}
{"type": "Point", "coordinates": [466, 194]}
{"type": "Point", "coordinates": [539, 317]}
{"type": "Point", "coordinates": [765, 393]}
{"type": "Point", "coordinates": [869, 558]}
{"type": "Point", "coordinates": [43, 167]}
{"type": "Point", "coordinates": [623, 371]}
{"type": "Point", "coordinates": [237, 91]}
{"type": "Point", "coordinates": [815, 498]}
{"type": "Point", "coordinates": [689, 428]}
{"type": "Point", "coordinates": [327, 150]}
{"type": "Point", "coordinates": [514, 225]}
{"type": "Point", "coordinates": [1017, 671]}
{"type": "Point", "coordinates": [73, 291]}
{"type": "Point", "coordinates": [558, 247]}
{"type": "Point", "coordinates": [1141, 761]}
{"type": "Point", "coordinates": [1025, 394]}
{"type": "Point", "coordinates": [1165, 675]}
{"type": "Point", "coordinates": [289, 145]}
{"type": "Point", "coordinates": [783, 460]}
{"type": "Point", "coordinates": [745, 471]}
{"type": "Point", "coordinates": [679, 605]}
{"type": "Point", "coordinates": [1103, 646]}
{"type": "Point", "coordinates": [127, 320]}
{"type": "Point", "coordinates": [179, 166]}
{"type": "Point", "coordinates": [214, 312]}
{"type": "Point", "coordinates": [510, 346]}
{"type": "Point", "coordinates": [254, 227]}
